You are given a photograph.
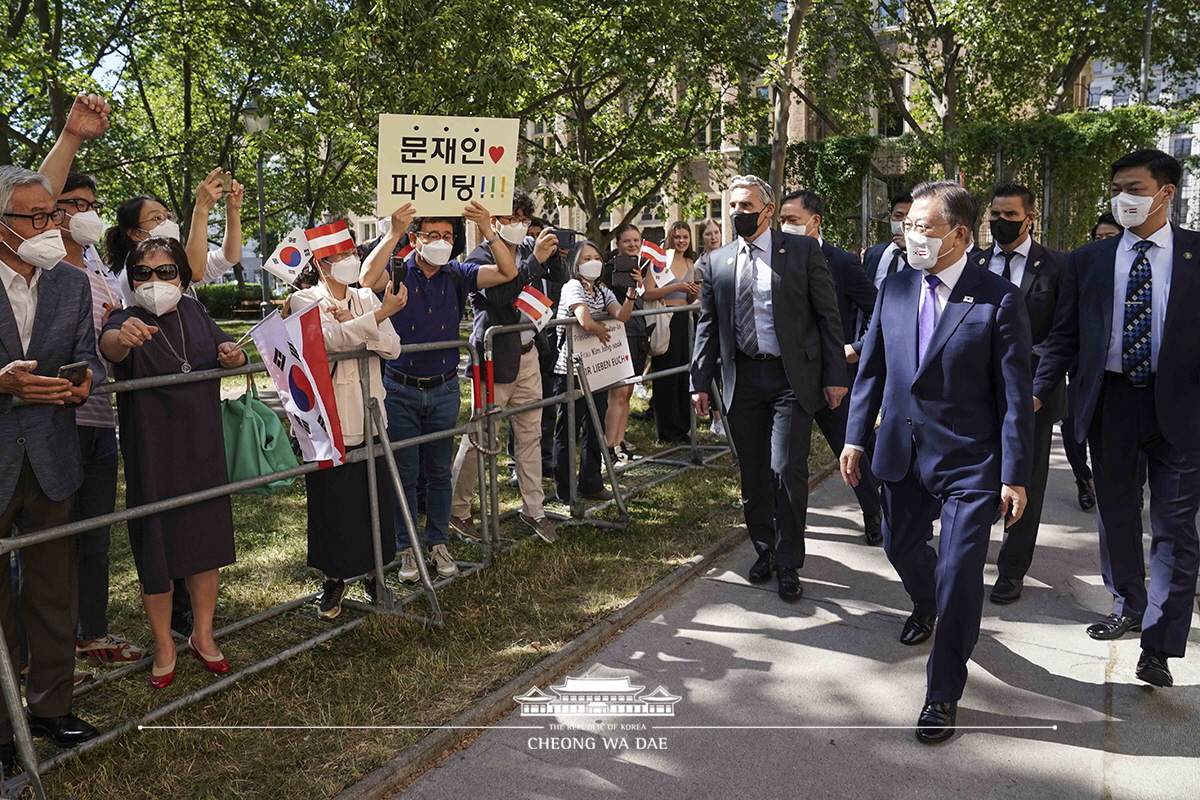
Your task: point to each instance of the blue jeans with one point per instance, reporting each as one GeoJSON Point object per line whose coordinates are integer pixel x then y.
{"type": "Point", "coordinates": [416, 412]}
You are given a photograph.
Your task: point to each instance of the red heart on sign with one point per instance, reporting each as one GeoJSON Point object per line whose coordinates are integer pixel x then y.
{"type": "Point", "coordinates": [496, 153]}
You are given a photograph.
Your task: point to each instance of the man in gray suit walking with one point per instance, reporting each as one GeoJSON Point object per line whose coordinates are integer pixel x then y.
{"type": "Point", "coordinates": [45, 324]}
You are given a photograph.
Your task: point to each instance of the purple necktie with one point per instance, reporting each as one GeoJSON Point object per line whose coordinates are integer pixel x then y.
{"type": "Point", "coordinates": [927, 319]}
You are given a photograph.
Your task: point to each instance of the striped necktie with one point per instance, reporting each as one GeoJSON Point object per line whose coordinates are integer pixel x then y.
{"type": "Point", "coordinates": [747, 333]}
{"type": "Point", "coordinates": [1135, 341]}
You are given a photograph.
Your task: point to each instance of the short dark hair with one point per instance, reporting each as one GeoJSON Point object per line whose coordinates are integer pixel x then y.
{"type": "Point", "coordinates": [1107, 219]}
{"type": "Point", "coordinates": [1163, 167]}
{"type": "Point", "coordinates": [902, 196]}
{"type": "Point", "coordinates": [1016, 190]}
{"type": "Point", "coordinates": [417, 222]}
{"type": "Point", "coordinates": [958, 206]}
{"type": "Point", "coordinates": [79, 180]}
{"type": "Point", "coordinates": [627, 226]}
{"type": "Point", "coordinates": [522, 203]}
{"type": "Point", "coordinates": [118, 244]}
{"type": "Point", "coordinates": [539, 222]}
{"type": "Point", "coordinates": [161, 244]}
{"type": "Point", "coordinates": [811, 201]}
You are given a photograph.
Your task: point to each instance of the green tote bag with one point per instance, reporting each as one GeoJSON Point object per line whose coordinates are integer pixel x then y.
{"type": "Point", "coordinates": [256, 443]}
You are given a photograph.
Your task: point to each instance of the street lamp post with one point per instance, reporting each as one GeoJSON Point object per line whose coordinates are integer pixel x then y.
{"type": "Point", "coordinates": [257, 122]}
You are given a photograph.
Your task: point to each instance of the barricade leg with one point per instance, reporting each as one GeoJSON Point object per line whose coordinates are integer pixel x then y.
{"type": "Point", "coordinates": [16, 716]}
{"type": "Point", "coordinates": [572, 437]}
{"type": "Point", "coordinates": [609, 467]}
{"type": "Point", "coordinates": [414, 537]}
{"type": "Point", "coordinates": [383, 595]}
{"type": "Point", "coordinates": [493, 475]}
{"type": "Point", "coordinates": [697, 458]}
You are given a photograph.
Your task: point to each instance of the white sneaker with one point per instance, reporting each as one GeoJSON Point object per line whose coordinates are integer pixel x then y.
{"type": "Point", "coordinates": [444, 561]}
{"type": "Point", "coordinates": [408, 566]}
{"type": "Point", "coordinates": [640, 390]}
{"type": "Point", "coordinates": [718, 426]}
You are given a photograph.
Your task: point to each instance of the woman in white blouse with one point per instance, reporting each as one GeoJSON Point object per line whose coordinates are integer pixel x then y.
{"type": "Point", "coordinates": [339, 523]}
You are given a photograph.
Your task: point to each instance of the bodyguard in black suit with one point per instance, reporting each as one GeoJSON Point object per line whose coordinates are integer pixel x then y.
{"type": "Point", "coordinates": [887, 258]}
{"type": "Point", "coordinates": [1128, 312]}
{"type": "Point", "coordinates": [768, 312]}
{"type": "Point", "coordinates": [1037, 270]}
{"type": "Point", "coordinates": [947, 360]}
{"type": "Point", "coordinates": [800, 213]}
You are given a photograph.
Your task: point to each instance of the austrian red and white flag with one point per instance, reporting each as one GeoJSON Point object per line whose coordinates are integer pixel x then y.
{"type": "Point", "coordinates": [660, 263]}
{"type": "Point", "coordinates": [294, 352]}
{"type": "Point", "coordinates": [535, 306]}
{"type": "Point", "coordinates": [329, 240]}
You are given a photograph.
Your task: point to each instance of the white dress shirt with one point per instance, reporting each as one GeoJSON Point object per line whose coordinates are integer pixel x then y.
{"type": "Point", "coordinates": [881, 269]}
{"type": "Point", "coordinates": [23, 298]}
{"type": "Point", "coordinates": [1016, 269]}
{"type": "Point", "coordinates": [1162, 256]}
{"type": "Point", "coordinates": [764, 313]}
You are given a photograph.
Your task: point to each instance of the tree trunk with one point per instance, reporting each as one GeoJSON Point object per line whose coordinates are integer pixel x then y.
{"type": "Point", "coordinates": [783, 99]}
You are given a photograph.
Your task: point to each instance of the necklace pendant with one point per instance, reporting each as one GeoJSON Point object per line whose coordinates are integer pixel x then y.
{"type": "Point", "coordinates": [185, 367]}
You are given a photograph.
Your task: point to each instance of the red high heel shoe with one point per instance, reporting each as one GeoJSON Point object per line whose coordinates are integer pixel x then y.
{"type": "Point", "coordinates": [218, 666]}
{"type": "Point", "coordinates": [161, 679]}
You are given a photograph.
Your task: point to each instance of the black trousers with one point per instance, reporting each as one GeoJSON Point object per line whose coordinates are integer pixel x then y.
{"type": "Point", "coordinates": [832, 423]}
{"type": "Point", "coordinates": [1016, 553]}
{"type": "Point", "coordinates": [1126, 425]}
{"type": "Point", "coordinates": [591, 457]}
{"type": "Point", "coordinates": [671, 400]}
{"type": "Point", "coordinates": [772, 435]}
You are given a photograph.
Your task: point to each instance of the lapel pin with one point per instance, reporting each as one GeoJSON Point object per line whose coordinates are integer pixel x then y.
{"type": "Point", "coordinates": [982, 261]}
{"type": "Point", "coordinates": [782, 251]}
{"type": "Point", "coordinates": [968, 299]}
{"type": "Point", "coordinates": [730, 261]}
{"type": "Point", "coordinates": [1037, 263]}
{"type": "Point", "coordinates": [1188, 256]}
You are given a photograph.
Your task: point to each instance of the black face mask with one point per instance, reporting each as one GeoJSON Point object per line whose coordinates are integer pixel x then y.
{"type": "Point", "coordinates": [1006, 231]}
{"type": "Point", "coordinates": [745, 223]}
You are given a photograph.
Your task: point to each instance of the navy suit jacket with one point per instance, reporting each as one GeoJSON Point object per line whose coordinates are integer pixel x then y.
{"type": "Point", "coordinates": [63, 333]}
{"type": "Point", "coordinates": [968, 408]}
{"type": "Point", "coordinates": [807, 323]}
{"type": "Point", "coordinates": [1083, 325]}
{"type": "Point", "coordinates": [855, 290]}
{"type": "Point", "coordinates": [871, 258]}
{"type": "Point", "coordinates": [1040, 285]}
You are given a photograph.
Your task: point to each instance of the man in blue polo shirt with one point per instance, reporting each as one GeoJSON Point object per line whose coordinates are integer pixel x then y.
{"type": "Point", "coordinates": [422, 388]}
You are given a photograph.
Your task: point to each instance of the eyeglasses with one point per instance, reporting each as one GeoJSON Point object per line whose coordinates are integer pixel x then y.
{"type": "Point", "coordinates": [82, 206]}
{"type": "Point", "coordinates": [158, 218]}
{"type": "Point", "coordinates": [512, 220]}
{"type": "Point", "coordinates": [922, 228]}
{"type": "Point", "coordinates": [142, 272]}
{"type": "Point", "coordinates": [42, 219]}
{"type": "Point", "coordinates": [433, 236]}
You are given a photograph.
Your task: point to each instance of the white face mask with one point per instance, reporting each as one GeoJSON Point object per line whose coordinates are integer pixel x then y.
{"type": "Point", "coordinates": [157, 297]}
{"type": "Point", "coordinates": [168, 228]}
{"type": "Point", "coordinates": [345, 271]}
{"type": "Point", "coordinates": [436, 253]}
{"type": "Point", "coordinates": [923, 250]}
{"type": "Point", "coordinates": [43, 251]}
{"type": "Point", "coordinates": [514, 232]}
{"type": "Point", "coordinates": [799, 230]}
{"type": "Point", "coordinates": [85, 228]}
{"type": "Point", "coordinates": [384, 226]}
{"type": "Point", "coordinates": [591, 269]}
{"type": "Point", "coordinates": [1131, 210]}
{"type": "Point", "coordinates": [897, 226]}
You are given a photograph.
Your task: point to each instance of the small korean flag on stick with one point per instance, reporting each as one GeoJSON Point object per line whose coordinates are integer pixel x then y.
{"type": "Point", "coordinates": [535, 306]}
{"type": "Point", "coordinates": [290, 258]}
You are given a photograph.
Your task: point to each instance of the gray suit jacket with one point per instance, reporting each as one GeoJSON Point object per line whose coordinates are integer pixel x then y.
{"type": "Point", "coordinates": [807, 321]}
{"type": "Point", "coordinates": [62, 334]}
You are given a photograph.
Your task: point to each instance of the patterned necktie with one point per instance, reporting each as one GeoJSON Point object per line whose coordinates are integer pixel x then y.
{"type": "Point", "coordinates": [1135, 342]}
{"type": "Point", "coordinates": [1006, 273]}
{"type": "Point", "coordinates": [747, 334]}
{"type": "Point", "coordinates": [894, 262]}
{"type": "Point", "coordinates": [928, 317]}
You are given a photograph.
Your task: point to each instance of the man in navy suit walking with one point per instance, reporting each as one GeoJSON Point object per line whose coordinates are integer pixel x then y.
{"type": "Point", "coordinates": [1127, 311]}
{"type": "Point", "coordinates": [947, 358]}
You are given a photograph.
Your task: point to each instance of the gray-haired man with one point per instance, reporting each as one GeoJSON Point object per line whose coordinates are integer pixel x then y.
{"type": "Point", "coordinates": [45, 324]}
{"type": "Point", "coordinates": [769, 311]}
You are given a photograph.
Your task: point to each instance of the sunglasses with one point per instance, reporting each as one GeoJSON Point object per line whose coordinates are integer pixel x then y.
{"type": "Point", "coordinates": [142, 272]}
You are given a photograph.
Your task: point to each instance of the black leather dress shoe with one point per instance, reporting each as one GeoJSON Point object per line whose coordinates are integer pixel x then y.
{"type": "Point", "coordinates": [1114, 626]}
{"type": "Point", "coordinates": [1152, 668]}
{"type": "Point", "coordinates": [1007, 590]}
{"type": "Point", "coordinates": [789, 584]}
{"type": "Point", "coordinates": [917, 628]}
{"type": "Point", "coordinates": [873, 528]}
{"type": "Point", "coordinates": [65, 731]}
{"type": "Point", "coordinates": [8, 758]}
{"type": "Point", "coordinates": [763, 568]}
{"type": "Point", "coordinates": [1087, 494]}
{"type": "Point", "coordinates": [936, 723]}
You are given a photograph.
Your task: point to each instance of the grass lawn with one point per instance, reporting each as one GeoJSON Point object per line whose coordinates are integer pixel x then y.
{"type": "Point", "coordinates": [533, 600]}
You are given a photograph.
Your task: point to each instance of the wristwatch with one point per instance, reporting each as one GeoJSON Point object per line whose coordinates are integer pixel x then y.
{"type": "Point", "coordinates": [494, 238]}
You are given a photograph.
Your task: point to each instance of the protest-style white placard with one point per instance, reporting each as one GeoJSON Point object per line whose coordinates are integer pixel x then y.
{"type": "Point", "coordinates": [439, 164]}
{"type": "Point", "coordinates": [604, 364]}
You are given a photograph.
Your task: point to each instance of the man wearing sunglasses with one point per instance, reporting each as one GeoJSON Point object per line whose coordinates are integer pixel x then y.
{"type": "Point", "coordinates": [45, 324]}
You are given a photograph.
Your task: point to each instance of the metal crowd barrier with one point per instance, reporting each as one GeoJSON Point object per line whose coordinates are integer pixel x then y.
{"type": "Point", "coordinates": [482, 424]}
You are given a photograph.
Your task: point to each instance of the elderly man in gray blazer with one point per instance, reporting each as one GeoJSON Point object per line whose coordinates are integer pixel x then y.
{"type": "Point", "coordinates": [45, 325]}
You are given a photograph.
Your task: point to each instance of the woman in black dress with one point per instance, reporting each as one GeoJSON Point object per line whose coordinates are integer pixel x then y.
{"type": "Point", "coordinates": [172, 443]}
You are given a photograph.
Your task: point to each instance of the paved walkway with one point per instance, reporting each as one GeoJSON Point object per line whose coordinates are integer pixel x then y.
{"type": "Point", "coordinates": [738, 656]}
